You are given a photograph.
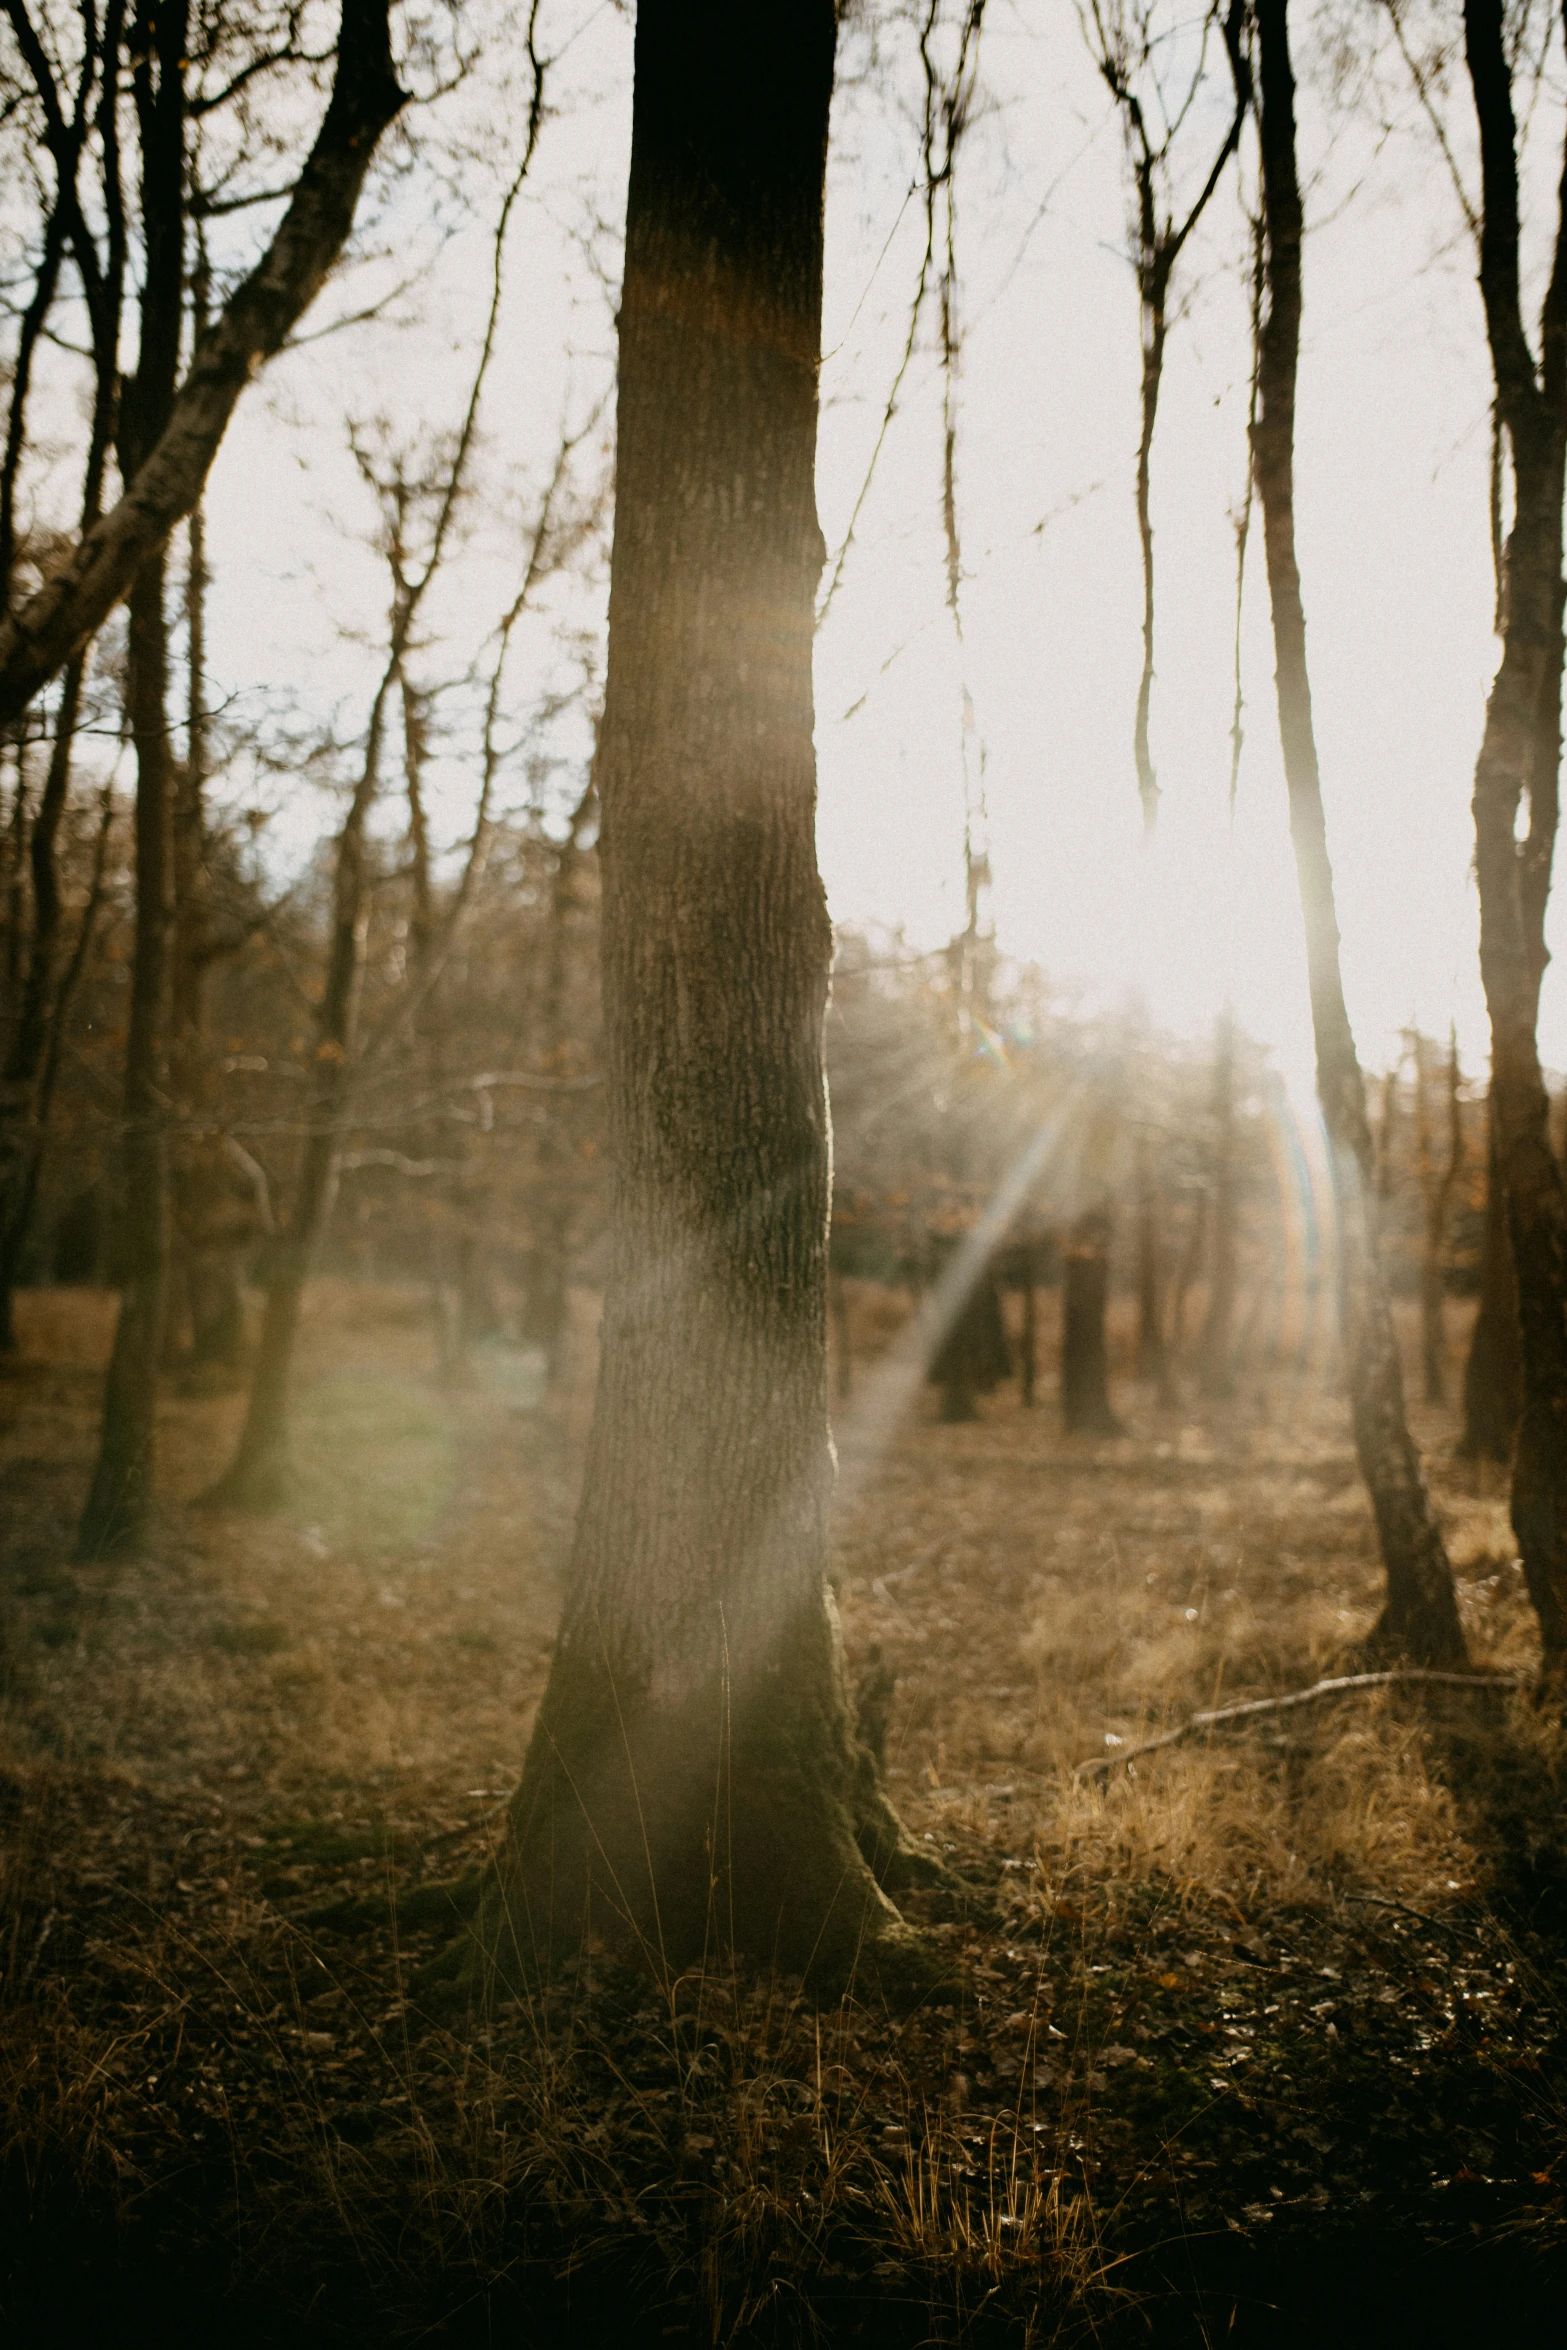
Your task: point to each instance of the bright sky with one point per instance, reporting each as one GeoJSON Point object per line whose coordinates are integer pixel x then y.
{"type": "Point", "coordinates": [1391, 483]}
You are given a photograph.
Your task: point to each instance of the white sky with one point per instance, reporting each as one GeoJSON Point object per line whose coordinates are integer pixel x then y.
{"type": "Point", "coordinates": [1391, 483]}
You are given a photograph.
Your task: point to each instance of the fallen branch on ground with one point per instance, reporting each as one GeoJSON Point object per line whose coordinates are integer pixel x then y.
{"type": "Point", "coordinates": [1221, 1716]}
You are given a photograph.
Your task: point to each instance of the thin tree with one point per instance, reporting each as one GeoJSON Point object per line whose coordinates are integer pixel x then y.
{"type": "Point", "coordinates": [1420, 1616]}
{"type": "Point", "coordinates": [1122, 36]}
{"type": "Point", "coordinates": [1086, 1409]}
{"type": "Point", "coordinates": [1216, 1343]}
{"type": "Point", "coordinates": [1153, 1353]}
{"type": "Point", "coordinates": [259, 1476]}
{"type": "Point", "coordinates": [37, 994]}
{"type": "Point", "coordinates": [1439, 1173]}
{"type": "Point", "coordinates": [693, 1776]}
{"type": "Point", "coordinates": [1493, 1367]}
{"type": "Point", "coordinates": [114, 1520]}
{"type": "Point", "coordinates": [1520, 756]}
{"type": "Point", "coordinates": [553, 1199]}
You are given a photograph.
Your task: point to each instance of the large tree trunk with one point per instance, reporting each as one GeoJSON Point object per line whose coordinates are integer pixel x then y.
{"type": "Point", "coordinates": [693, 1777]}
{"type": "Point", "coordinates": [1520, 752]}
{"type": "Point", "coordinates": [1493, 1371]}
{"type": "Point", "coordinates": [1420, 1618]}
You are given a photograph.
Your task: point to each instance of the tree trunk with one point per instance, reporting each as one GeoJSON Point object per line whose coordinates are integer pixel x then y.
{"type": "Point", "coordinates": [1520, 753]}
{"type": "Point", "coordinates": [259, 1476]}
{"type": "Point", "coordinates": [1028, 1364]}
{"type": "Point", "coordinates": [115, 1521]}
{"type": "Point", "coordinates": [1216, 1346]}
{"type": "Point", "coordinates": [1493, 1372]}
{"type": "Point", "coordinates": [1085, 1372]}
{"type": "Point", "coordinates": [1421, 1614]}
{"type": "Point", "coordinates": [21, 1108]}
{"type": "Point", "coordinates": [555, 1192]}
{"type": "Point", "coordinates": [972, 1358]}
{"type": "Point", "coordinates": [1437, 1183]}
{"type": "Point", "coordinates": [693, 1778]}
{"type": "Point", "coordinates": [1153, 1355]}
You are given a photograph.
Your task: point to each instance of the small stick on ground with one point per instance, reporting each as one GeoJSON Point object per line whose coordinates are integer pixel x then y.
{"type": "Point", "coordinates": [1221, 1716]}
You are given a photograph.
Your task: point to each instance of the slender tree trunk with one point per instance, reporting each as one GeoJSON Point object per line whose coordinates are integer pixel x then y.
{"type": "Point", "coordinates": [260, 1475]}
{"type": "Point", "coordinates": [115, 1521]}
{"type": "Point", "coordinates": [972, 1358]}
{"type": "Point", "coordinates": [1085, 1364]}
{"type": "Point", "coordinates": [21, 1109]}
{"type": "Point", "coordinates": [1493, 1371]}
{"type": "Point", "coordinates": [1153, 1355]}
{"type": "Point", "coordinates": [1437, 1183]}
{"type": "Point", "coordinates": [554, 1201]}
{"type": "Point", "coordinates": [1216, 1346]}
{"type": "Point", "coordinates": [1188, 1269]}
{"type": "Point", "coordinates": [1421, 1614]}
{"type": "Point", "coordinates": [1520, 753]}
{"type": "Point", "coordinates": [1028, 1366]}
{"type": "Point", "coordinates": [14, 1233]}
{"type": "Point", "coordinates": [693, 1777]}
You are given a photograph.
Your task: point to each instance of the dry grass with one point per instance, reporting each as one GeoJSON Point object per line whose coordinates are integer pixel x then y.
{"type": "Point", "coordinates": [200, 1754]}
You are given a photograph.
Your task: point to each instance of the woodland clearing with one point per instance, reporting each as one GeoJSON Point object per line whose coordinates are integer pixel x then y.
{"type": "Point", "coordinates": [1262, 2039]}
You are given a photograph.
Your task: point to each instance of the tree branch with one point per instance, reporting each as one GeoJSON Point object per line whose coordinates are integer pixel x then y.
{"type": "Point", "coordinates": [258, 316]}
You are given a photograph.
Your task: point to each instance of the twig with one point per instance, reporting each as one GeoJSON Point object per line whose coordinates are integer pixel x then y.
{"type": "Point", "coordinates": [1221, 1715]}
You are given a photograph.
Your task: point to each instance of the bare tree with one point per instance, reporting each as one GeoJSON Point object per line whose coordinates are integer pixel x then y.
{"type": "Point", "coordinates": [1125, 41]}
{"type": "Point", "coordinates": [1216, 1344]}
{"type": "Point", "coordinates": [693, 1774]}
{"type": "Point", "coordinates": [1439, 1173]}
{"type": "Point", "coordinates": [1520, 756]}
{"type": "Point", "coordinates": [1493, 1368]}
{"type": "Point", "coordinates": [114, 1519]}
{"type": "Point", "coordinates": [1421, 1611]}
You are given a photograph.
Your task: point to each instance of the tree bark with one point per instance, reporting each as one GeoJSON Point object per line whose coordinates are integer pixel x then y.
{"type": "Point", "coordinates": [693, 1778]}
{"type": "Point", "coordinates": [58, 621]}
{"type": "Point", "coordinates": [1420, 1617]}
{"type": "Point", "coordinates": [1493, 1371]}
{"type": "Point", "coordinates": [1520, 753]}
{"type": "Point", "coordinates": [1085, 1371]}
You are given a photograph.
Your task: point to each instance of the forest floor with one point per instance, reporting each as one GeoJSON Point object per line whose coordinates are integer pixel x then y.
{"type": "Point", "coordinates": [1263, 2041]}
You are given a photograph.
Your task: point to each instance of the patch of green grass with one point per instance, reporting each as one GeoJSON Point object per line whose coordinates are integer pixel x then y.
{"type": "Point", "coordinates": [374, 1460]}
